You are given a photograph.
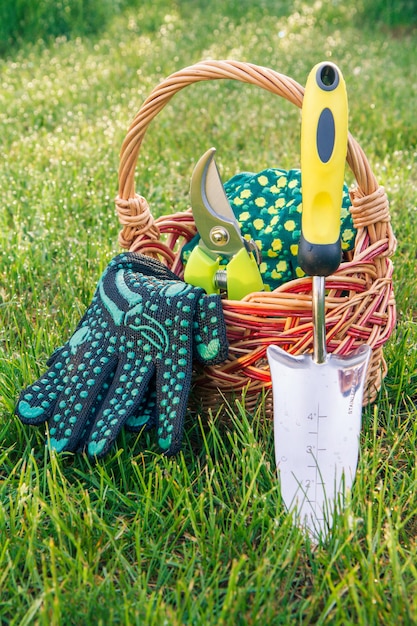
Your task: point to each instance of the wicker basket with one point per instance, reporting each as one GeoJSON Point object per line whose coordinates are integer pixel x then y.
{"type": "Point", "coordinates": [360, 305]}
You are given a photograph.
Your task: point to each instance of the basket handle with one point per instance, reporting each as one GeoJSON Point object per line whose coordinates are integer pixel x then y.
{"type": "Point", "coordinates": [370, 209]}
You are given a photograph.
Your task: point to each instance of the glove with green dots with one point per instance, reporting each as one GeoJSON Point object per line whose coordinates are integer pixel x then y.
{"type": "Point", "coordinates": [129, 360]}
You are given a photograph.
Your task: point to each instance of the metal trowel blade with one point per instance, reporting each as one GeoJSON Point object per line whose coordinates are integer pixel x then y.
{"type": "Point", "coordinates": [317, 423]}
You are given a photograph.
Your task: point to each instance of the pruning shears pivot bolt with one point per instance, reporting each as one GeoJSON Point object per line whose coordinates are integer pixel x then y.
{"type": "Point", "coordinates": [219, 236]}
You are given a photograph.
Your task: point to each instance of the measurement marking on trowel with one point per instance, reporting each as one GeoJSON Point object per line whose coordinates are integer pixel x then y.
{"type": "Point", "coordinates": [315, 433]}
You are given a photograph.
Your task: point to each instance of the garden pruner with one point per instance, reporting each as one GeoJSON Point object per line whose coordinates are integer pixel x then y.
{"type": "Point", "coordinates": [220, 238]}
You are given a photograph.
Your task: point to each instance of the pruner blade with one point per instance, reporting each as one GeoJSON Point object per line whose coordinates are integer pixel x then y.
{"type": "Point", "coordinates": [213, 216]}
{"type": "Point", "coordinates": [220, 236]}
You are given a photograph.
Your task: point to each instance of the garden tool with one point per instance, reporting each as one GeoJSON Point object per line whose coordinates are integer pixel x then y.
{"type": "Point", "coordinates": [318, 398]}
{"type": "Point", "coordinates": [220, 236]}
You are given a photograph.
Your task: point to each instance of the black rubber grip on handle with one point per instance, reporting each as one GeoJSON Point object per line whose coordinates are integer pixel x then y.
{"type": "Point", "coordinates": [319, 259]}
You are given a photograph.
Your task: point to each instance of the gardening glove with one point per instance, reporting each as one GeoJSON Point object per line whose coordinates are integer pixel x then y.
{"type": "Point", "coordinates": [130, 358]}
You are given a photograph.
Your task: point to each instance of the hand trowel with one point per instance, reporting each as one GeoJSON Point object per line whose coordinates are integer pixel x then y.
{"type": "Point", "coordinates": [317, 397]}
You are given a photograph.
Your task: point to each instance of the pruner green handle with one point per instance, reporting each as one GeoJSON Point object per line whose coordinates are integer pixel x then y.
{"type": "Point", "coordinates": [243, 275]}
{"type": "Point", "coordinates": [201, 270]}
{"type": "Point", "coordinates": [239, 277]}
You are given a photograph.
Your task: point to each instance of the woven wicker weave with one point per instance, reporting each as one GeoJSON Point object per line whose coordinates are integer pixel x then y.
{"type": "Point", "coordinates": [360, 305]}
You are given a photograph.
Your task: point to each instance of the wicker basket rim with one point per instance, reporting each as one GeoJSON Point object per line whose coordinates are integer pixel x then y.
{"type": "Point", "coordinates": [263, 77]}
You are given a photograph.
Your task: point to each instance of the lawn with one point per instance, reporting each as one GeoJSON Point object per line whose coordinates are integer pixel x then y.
{"type": "Point", "coordinates": [202, 538]}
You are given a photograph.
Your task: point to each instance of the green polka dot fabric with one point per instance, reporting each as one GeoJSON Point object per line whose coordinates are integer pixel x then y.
{"type": "Point", "coordinates": [129, 362]}
{"type": "Point", "coordinates": [267, 206]}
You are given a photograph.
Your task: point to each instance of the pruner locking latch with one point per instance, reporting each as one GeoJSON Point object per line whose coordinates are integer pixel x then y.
{"type": "Point", "coordinates": [220, 237]}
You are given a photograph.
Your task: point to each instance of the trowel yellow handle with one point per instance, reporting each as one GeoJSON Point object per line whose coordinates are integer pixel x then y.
{"type": "Point", "coordinates": [324, 133]}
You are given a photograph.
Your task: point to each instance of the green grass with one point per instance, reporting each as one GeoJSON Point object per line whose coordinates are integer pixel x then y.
{"type": "Point", "coordinates": [202, 538]}
{"type": "Point", "coordinates": [27, 20]}
{"type": "Point", "coordinates": [392, 13]}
